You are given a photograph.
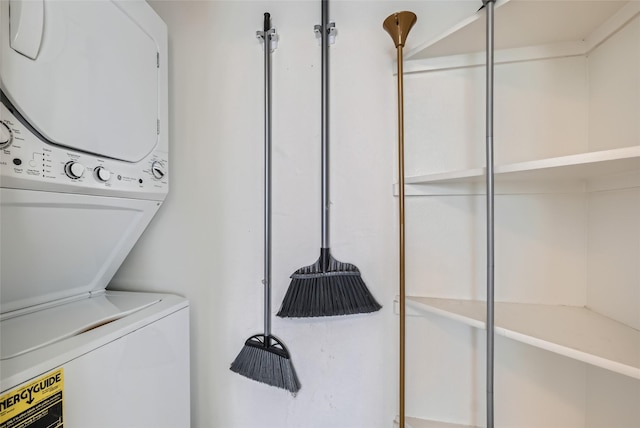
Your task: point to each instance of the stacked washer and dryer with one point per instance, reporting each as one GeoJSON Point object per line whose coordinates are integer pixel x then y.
{"type": "Point", "coordinates": [83, 170]}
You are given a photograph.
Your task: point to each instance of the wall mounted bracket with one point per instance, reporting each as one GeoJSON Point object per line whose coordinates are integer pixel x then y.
{"type": "Point", "coordinates": [272, 36]}
{"type": "Point", "coordinates": [332, 32]}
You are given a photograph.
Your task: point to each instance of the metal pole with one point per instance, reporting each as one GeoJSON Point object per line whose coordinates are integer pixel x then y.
{"type": "Point", "coordinates": [401, 236]}
{"type": "Point", "coordinates": [324, 40]}
{"type": "Point", "coordinates": [398, 26]}
{"type": "Point", "coordinates": [266, 38]}
{"type": "Point", "coordinates": [490, 213]}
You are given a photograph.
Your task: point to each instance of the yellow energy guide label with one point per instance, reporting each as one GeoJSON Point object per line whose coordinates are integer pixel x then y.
{"type": "Point", "coordinates": [35, 404]}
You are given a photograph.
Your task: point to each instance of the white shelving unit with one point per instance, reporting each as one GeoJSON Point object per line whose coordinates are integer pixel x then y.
{"type": "Point", "coordinates": [577, 172]}
{"type": "Point", "coordinates": [582, 166]}
{"type": "Point", "coordinates": [575, 332]}
{"type": "Point", "coordinates": [567, 174]}
{"type": "Point", "coordinates": [526, 29]}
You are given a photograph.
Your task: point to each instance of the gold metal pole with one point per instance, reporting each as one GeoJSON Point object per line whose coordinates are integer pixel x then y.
{"type": "Point", "coordinates": [398, 26]}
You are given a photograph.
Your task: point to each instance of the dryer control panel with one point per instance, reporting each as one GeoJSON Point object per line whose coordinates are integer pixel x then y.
{"type": "Point", "coordinates": [27, 162]}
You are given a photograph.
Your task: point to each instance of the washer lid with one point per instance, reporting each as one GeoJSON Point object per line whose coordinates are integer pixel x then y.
{"type": "Point", "coordinates": [55, 246]}
{"type": "Point", "coordinates": [32, 331]}
{"type": "Point", "coordinates": [84, 74]}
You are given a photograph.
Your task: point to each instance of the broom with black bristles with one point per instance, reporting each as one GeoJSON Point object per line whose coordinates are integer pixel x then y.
{"type": "Point", "coordinates": [264, 357]}
{"type": "Point", "coordinates": [328, 287]}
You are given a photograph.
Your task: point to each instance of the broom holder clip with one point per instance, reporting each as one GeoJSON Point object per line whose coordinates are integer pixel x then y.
{"type": "Point", "coordinates": [273, 38]}
{"type": "Point", "coordinates": [332, 32]}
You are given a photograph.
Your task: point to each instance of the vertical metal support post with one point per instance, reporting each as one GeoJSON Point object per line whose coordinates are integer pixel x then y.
{"type": "Point", "coordinates": [401, 236]}
{"type": "Point", "coordinates": [398, 26]}
{"type": "Point", "coordinates": [490, 213]}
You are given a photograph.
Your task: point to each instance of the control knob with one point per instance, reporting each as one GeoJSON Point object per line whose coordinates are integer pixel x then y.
{"type": "Point", "coordinates": [157, 170]}
{"type": "Point", "coordinates": [6, 136]}
{"type": "Point", "coordinates": [102, 174]}
{"type": "Point", "coordinates": [74, 169]}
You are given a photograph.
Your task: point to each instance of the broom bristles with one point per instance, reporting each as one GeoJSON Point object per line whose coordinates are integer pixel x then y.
{"type": "Point", "coordinates": [326, 288]}
{"type": "Point", "coordinates": [266, 360]}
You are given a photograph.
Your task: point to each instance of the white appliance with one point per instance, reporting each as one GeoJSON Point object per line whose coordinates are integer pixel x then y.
{"type": "Point", "coordinates": [83, 170]}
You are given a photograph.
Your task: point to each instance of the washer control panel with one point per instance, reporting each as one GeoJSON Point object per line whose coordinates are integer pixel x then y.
{"type": "Point", "coordinates": [6, 135]}
{"type": "Point", "coordinates": [27, 162]}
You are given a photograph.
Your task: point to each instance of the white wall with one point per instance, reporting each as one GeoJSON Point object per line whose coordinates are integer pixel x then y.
{"type": "Point", "coordinates": [206, 241]}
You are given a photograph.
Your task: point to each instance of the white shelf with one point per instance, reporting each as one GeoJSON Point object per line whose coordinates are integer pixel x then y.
{"type": "Point", "coordinates": [518, 24]}
{"type": "Point", "coordinates": [425, 423]}
{"type": "Point", "coordinates": [575, 332]}
{"type": "Point", "coordinates": [574, 167]}
{"type": "Point", "coordinates": [557, 61]}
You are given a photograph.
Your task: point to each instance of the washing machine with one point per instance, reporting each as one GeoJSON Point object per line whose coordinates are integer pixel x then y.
{"type": "Point", "coordinates": [84, 168]}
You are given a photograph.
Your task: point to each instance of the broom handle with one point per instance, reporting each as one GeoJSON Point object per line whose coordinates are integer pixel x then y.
{"type": "Point", "coordinates": [324, 40]}
{"type": "Point", "coordinates": [267, 179]}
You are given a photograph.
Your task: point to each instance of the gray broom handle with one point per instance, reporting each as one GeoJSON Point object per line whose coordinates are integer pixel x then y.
{"type": "Point", "coordinates": [267, 178]}
{"type": "Point", "coordinates": [324, 40]}
{"type": "Point", "coordinates": [490, 211]}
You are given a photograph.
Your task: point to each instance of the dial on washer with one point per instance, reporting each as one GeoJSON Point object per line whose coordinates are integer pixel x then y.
{"type": "Point", "coordinates": [6, 136]}
{"type": "Point", "coordinates": [74, 169]}
{"type": "Point", "coordinates": [102, 174]}
{"type": "Point", "coordinates": [157, 170]}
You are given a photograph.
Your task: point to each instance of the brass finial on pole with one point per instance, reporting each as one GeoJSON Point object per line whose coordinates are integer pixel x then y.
{"type": "Point", "coordinates": [398, 26]}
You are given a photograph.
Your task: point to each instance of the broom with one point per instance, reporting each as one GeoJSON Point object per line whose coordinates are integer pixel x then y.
{"type": "Point", "coordinates": [264, 357]}
{"type": "Point", "coordinates": [327, 287]}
